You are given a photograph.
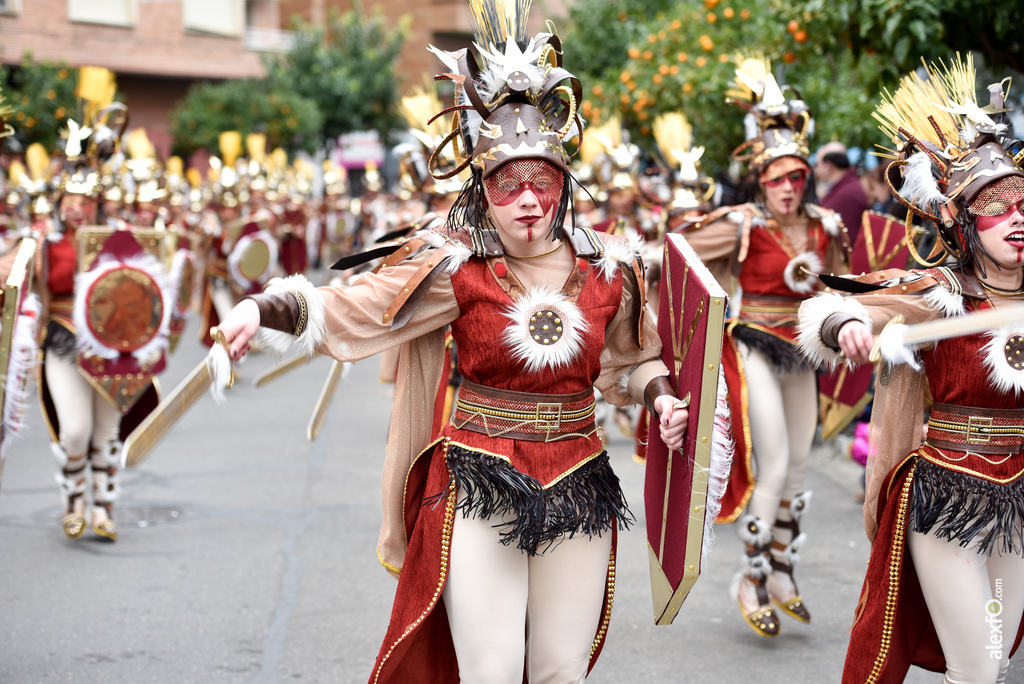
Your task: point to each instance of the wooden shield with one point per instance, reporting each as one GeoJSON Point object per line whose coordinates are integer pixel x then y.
{"type": "Point", "coordinates": [881, 244]}
{"type": "Point", "coordinates": [691, 322]}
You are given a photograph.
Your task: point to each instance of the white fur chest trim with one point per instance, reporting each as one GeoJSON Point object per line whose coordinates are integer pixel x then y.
{"type": "Point", "coordinates": [801, 272]}
{"type": "Point", "coordinates": [546, 330]}
{"type": "Point", "coordinates": [1003, 358]}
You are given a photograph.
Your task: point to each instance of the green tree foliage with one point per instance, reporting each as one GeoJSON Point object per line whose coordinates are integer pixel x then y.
{"type": "Point", "coordinates": [908, 30]}
{"type": "Point", "coordinates": [288, 119]}
{"type": "Point", "coordinates": [347, 68]}
{"type": "Point", "coordinates": [600, 32]}
{"type": "Point", "coordinates": [684, 59]}
{"type": "Point", "coordinates": [42, 96]}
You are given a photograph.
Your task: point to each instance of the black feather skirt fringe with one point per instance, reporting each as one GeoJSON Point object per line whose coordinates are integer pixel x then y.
{"type": "Point", "coordinates": [781, 354]}
{"type": "Point", "coordinates": [587, 501]}
{"type": "Point", "coordinates": [60, 342]}
{"type": "Point", "coordinates": [961, 507]}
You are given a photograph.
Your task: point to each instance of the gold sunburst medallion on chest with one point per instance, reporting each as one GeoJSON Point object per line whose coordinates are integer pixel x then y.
{"type": "Point", "coordinates": [545, 330]}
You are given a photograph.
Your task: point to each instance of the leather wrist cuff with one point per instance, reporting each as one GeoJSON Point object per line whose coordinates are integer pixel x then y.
{"type": "Point", "coordinates": [278, 311]}
{"type": "Point", "coordinates": [830, 328]}
{"type": "Point", "coordinates": [655, 388]}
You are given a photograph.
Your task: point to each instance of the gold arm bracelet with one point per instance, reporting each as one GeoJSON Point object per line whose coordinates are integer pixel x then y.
{"type": "Point", "coordinates": [300, 325]}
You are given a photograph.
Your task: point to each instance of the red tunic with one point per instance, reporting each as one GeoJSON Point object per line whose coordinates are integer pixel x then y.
{"type": "Point", "coordinates": [418, 645]}
{"type": "Point", "coordinates": [892, 629]}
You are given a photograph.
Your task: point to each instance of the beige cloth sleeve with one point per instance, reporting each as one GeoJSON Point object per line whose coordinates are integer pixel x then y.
{"type": "Point", "coordinates": [625, 368]}
{"type": "Point", "coordinates": [354, 325]}
{"type": "Point", "coordinates": [420, 371]}
{"type": "Point", "coordinates": [715, 244]}
{"type": "Point", "coordinates": [897, 415]}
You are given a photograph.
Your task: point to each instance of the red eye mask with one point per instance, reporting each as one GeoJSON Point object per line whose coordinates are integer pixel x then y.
{"type": "Point", "coordinates": [795, 178]}
{"type": "Point", "coordinates": [985, 222]}
{"type": "Point", "coordinates": [512, 179]}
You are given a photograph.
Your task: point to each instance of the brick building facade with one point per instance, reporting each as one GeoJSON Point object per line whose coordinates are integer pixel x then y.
{"type": "Point", "coordinates": [157, 48]}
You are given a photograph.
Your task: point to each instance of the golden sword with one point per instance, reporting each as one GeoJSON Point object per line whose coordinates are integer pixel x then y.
{"type": "Point", "coordinates": [316, 422]}
{"type": "Point", "coordinates": [954, 326]}
{"type": "Point", "coordinates": [159, 422]}
{"type": "Point", "coordinates": [287, 366]}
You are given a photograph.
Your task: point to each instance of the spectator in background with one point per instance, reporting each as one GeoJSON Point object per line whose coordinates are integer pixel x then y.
{"type": "Point", "coordinates": [839, 187]}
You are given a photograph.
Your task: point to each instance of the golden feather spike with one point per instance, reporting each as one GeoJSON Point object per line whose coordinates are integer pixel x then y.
{"type": "Point", "coordinates": [497, 21]}
{"type": "Point", "coordinates": [230, 143]}
{"type": "Point", "coordinates": [672, 132]}
{"type": "Point", "coordinates": [256, 147]}
{"type": "Point", "coordinates": [916, 99]}
{"type": "Point", "coordinates": [37, 159]}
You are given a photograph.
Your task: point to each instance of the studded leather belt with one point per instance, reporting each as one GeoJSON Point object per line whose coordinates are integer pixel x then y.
{"type": "Point", "coordinates": [977, 430]}
{"type": "Point", "coordinates": [523, 415]}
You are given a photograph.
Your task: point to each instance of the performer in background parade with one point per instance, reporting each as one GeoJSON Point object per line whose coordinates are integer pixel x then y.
{"type": "Point", "coordinates": [945, 516]}
{"type": "Point", "coordinates": [775, 247]}
{"type": "Point", "coordinates": [517, 534]}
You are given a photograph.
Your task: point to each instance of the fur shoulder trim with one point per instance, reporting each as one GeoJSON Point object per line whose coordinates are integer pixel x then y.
{"type": "Point", "coordinates": [831, 221]}
{"type": "Point", "coordinates": [941, 299]}
{"type": "Point", "coordinates": [1004, 377]}
{"type": "Point", "coordinates": [813, 313]}
{"type": "Point", "coordinates": [618, 251]}
{"type": "Point", "coordinates": [311, 338]}
{"type": "Point", "coordinates": [457, 254]}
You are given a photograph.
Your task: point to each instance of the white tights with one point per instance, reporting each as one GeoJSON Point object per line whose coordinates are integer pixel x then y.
{"type": "Point", "coordinates": [783, 409]}
{"type": "Point", "coordinates": [85, 417]}
{"type": "Point", "coordinates": [958, 585]}
{"type": "Point", "coordinates": [496, 593]}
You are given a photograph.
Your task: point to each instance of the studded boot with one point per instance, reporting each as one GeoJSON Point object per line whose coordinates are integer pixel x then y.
{"type": "Point", "coordinates": [749, 585]}
{"type": "Point", "coordinates": [71, 480]}
{"type": "Point", "coordinates": [785, 554]}
{"type": "Point", "coordinates": [104, 463]}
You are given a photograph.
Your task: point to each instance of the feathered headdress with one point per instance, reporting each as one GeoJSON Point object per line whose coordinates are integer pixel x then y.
{"type": "Point", "coordinates": [951, 162]}
{"type": "Point", "coordinates": [674, 136]}
{"type": "Point", "coordinates": [520, 103]}
{"type": "Point", "coordinates": [776, 126]}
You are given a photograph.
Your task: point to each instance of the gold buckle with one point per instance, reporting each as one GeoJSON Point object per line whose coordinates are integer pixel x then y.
{"type": "Point", "coordinates": [973, 421]}
{"type": "Point", "coordinates": [549, 417]}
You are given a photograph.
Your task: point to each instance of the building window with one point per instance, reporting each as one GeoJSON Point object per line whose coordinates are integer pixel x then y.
{"type": "Point", "coordinates": [219, 17]}
{"type": "Point", "coordinates": [109, 12]}
{"type": "Point", "coordinates": [10, 7]}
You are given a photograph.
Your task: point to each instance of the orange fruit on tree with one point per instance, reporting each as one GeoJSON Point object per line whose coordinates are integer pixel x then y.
{"type": "Point", "coordinates": [728, 13]}
{"type": "Point", "coordinates": [800, 36]}
{"type": "Point", "coordinates": [793, 26]}
{"type": "Point", "coordinates": [789, 58]}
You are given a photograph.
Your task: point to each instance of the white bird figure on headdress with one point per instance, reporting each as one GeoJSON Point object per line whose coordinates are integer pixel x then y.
{"type": "Point", "coordinates": [76, 136]}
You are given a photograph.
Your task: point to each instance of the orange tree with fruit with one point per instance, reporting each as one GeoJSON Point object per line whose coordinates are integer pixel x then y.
{"type": "Point", "coordinates": [683, 58]}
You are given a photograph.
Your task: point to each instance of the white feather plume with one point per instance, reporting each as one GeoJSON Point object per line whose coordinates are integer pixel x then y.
{"type": "Point", "coordinates": [919, 184]}
{"type": "Point", "coordinates": [894, 351]}
{"type": "Point", "coordinates": [219, 364]}
{"type": "Point", "coordinates": [722, 451]}
{"type": "Point", "coordinates": [813, 313]}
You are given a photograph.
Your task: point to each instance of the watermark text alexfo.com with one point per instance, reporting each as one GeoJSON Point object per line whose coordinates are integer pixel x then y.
{"type": "Point", "coordinates": [993, 609]}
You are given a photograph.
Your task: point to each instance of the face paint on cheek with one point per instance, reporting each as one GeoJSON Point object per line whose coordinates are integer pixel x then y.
{"type": "Point", "coordinates": [987, 223]}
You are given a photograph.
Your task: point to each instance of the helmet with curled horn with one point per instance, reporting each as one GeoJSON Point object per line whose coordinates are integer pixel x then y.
{"type": "Point", "coordinates": [519, 105]}
{"type": "Point", "coordinates": [777, 126]}
{"type": "Point", "coordinates": [952, 162]}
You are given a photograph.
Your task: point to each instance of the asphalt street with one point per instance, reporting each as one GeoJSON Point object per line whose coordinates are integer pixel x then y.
{"type": "Point", "coordinates": [246, 554]}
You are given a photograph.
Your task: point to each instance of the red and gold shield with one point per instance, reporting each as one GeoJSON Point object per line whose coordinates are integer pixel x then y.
{"type": "Point", "coordinates": [881, 244]}
{"type": "Point", "coordinates": [124, 308]}
{"type": "Point", "coordinates": [691, 322]}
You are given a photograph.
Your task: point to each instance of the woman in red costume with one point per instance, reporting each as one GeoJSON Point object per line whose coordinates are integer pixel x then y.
{"type": "Point", "coordinates": [504, 526]}
{"type": "Point", "coordinates": [775, 247]}
{"type": "Point", "coordinates": [945, 583]}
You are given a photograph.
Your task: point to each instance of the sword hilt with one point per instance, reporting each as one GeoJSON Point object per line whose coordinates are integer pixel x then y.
{"type": "Point", "coordinates": [876, 352]}
{"type": "Point", "coordinates": [219, 338]}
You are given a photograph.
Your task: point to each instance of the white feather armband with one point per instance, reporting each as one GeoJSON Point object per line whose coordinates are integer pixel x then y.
{"type": "Point", "coordinates": [813, 313]}
{"type": "Point", "coordinates": [313, 335]}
